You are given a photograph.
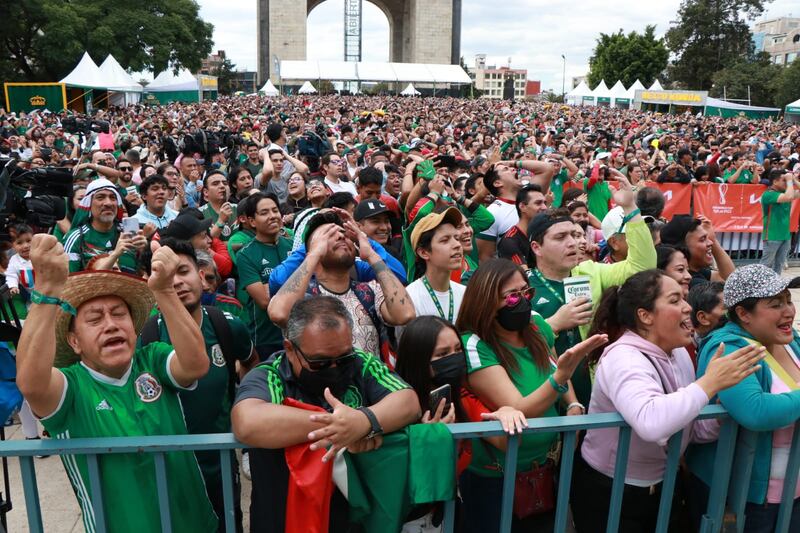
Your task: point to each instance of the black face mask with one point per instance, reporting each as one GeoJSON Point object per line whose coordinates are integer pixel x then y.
{"type": "Point", "coordinates": [337, 378]}
{"type": "Point", "coordinates": [449, 370]}
{"type": "Point", "coordinates": [515, 318]}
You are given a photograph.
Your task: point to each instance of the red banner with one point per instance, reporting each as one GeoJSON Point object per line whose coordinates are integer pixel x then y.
{"type": "Point", "coordinates": [735, 207]}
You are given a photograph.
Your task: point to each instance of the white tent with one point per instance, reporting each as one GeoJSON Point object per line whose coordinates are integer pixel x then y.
{"type": "Point", "coordinates": [86, 74]}
{"type": "Point", "coordinates": [126, 90]}
{"type": "Point", "coordinates": [167, 81]}
{"type": "Point", "coordinates": [410, 91]}
{"type": "Point", "coordinates": [602, 94]}
{"type": "Point", "coordinates": [307, 88]}
{"type": "Point", "coordinates": [619, 95]}
{"type": "Point", "coordinates": [792, 112]}
{"type": "Point", "coordinates": [637, 86]}
{"type": "Point", "coordinates": [576, 95]}
{"type": "Point", "coordinates": [269, 89]}
{"type": "Point", "coordinates": [373, 72]}
{"type": "Point", "coordinates": [656, 86]}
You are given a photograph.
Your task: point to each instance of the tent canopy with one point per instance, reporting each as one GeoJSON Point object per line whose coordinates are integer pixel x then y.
{"type": "Point", "coordinates": [117, 78]}
{"type": "Point", "coordinates": [307, 88]}
{"type": "Point", "coordinates": [602, 90]}
{"type": "Point", "coordinates": [167, 81]}
{"type": "Point", "coordinates": [793, 108]}
{"type": "Point", "coordinates": [269, 89]}
{"type": "Point", "coordinates": [373, 72]}
{"type": "Point", "coordinates": [410, 91]}
{"type": "Point", "coordinates": [637, 86]}
{"type": "Point", "coordinates": [86, 74]}
{"type": "Point", "coordinates": [656, 86]}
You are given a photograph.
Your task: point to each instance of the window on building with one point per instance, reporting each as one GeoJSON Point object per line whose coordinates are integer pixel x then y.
{"type": "Point", "coordinates": [778, 60]}
{"type": "Point", "coordinates": [796, 38]}
{"type": "Point", "coordinates": [791, 56]}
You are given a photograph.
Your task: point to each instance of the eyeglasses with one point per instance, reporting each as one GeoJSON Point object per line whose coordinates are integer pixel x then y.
{"type": "Point", "coordinates": [126, 169]}
{"type": "Point", "coordinates": [515, 297]}
{"type": "Point", "coordinates": [170, 173]}
{"type": "Point", "coordinates": [321, 363]}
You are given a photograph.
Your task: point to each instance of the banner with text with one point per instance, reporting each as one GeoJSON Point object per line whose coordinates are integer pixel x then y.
{"type": "Point", "coordinates": [735, 207]}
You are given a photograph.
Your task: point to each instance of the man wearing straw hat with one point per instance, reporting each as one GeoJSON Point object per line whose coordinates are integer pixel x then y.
{"type": "Point", "coordinates": [86, 324]}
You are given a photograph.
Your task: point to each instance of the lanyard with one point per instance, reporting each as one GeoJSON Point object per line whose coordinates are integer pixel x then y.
{"type": "Point", "coordinates": [436, 300]}
{"type": "Point", "coordinates": [550, 288]}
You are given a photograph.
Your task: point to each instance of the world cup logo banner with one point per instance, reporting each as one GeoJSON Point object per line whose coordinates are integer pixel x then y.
{"type": "Point", "coordinates": [723, 191]}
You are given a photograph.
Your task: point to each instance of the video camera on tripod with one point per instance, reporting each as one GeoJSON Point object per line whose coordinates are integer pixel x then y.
{"type": "Point", "coordinates": [34, 196]}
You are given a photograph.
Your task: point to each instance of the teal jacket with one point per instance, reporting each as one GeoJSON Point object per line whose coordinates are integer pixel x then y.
{"type": "Point", "coordinates": [752, 406]}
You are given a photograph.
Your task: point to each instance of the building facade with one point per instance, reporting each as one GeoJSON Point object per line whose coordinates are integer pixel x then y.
{"type": "Point", "coordinates": [491, 79]}
{"type": "Point", "coordinates": [212, 63]}
{"type": "Point", "coordinates": [779, 37]}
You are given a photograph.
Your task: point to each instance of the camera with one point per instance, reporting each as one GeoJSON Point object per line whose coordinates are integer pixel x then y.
{"type": "Point", "coordinates": [85, 126]}
{"type": "Point", "coordinates": [34, 196]}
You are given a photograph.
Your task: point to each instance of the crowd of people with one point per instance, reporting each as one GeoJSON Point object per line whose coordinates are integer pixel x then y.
{"type": "Point", "coordinates": [333, 279]}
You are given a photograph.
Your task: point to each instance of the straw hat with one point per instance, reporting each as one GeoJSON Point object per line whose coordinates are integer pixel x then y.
{"type": "Point", "coordinates": [84, 286]}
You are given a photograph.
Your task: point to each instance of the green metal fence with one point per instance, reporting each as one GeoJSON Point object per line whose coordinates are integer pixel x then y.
{"type": "Point", "coordinates": [719, 497]}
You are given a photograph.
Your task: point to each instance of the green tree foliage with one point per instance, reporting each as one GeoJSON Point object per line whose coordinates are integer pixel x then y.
{"type": "Point", "coordinates": [226, 77]}
{"type": "Point", "coordinates": [787, 87]}
{"type": "Point", "coordinates": [44, 39]}
{"type": "Point", "coordinates": [760, 75]}
{"type": "Point", "coordinates": [627, 58]}
{"type": "Point", "coordinates": [709, 36]}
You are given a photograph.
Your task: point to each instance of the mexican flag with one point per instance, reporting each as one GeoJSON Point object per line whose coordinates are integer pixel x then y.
{"type": "Point", "coordinates": [414, 466]}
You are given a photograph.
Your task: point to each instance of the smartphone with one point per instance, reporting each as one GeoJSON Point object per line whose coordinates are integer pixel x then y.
{"type": "Point", "coordinates": [131, 189]}
{"type": "Point", "coordinates": [130, 225]}
{"type": "Point", "coordinates": [436, 396]}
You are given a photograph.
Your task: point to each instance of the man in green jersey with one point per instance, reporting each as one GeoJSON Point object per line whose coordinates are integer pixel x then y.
{"type": "Point", "coordinates": [776, 204]}
{"type": "Point", "coordinates": [207, 408]}
{"type": "Point", "coordinates": [218, 209]}
{"type": "Point", "coordinates": [556, 256]}
{"type": "Point", "coordinates": [244, 234]}
{"type": "Point", "coordinates": [100, 233]}
{"type": "Point", "coordinates": [254, 263]}
{"type": "Point", "coordinates": [104, 387]}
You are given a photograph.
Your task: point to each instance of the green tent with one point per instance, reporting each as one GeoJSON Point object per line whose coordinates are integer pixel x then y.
{"type": "Point", "coordinates": [721, 108]}
{"type": "Point", "coordinates": [792, 112]}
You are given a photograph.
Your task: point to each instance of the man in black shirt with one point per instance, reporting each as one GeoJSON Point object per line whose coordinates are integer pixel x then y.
{"type": "Point", "coordinates": [514, 245]}
{"type": "Point", "coordinates": [361, 397]}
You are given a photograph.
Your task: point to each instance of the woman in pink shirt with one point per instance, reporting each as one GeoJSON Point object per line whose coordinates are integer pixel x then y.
{"type": "Point", "coordinates": [647, 376]}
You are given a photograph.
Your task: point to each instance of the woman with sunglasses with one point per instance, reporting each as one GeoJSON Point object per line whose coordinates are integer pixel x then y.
{"type": "Point", "coordinates": [509, 354]}
{"type": "Point", "coordinates": [646, 375]}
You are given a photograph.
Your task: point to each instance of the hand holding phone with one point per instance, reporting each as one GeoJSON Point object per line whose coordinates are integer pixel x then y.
{"type": "Point", "coordinates": [437, 395]}
{"type": "Point", "coordinates": [130, 225]}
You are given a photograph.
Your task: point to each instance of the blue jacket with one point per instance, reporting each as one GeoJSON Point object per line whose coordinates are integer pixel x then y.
{"type": "Point", "coordinates": [752, 406]}
{"type": "Point", "coordinates": [364, 272]}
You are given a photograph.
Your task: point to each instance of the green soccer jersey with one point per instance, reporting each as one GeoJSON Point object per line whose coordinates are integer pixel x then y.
{"type": "Point", "coordinates": [598, 198]}
{"type": "Point", "coordinates": [557, 186]}
{"type": "Point", "coordinates": [526, 379]}
{"type": "Point", "coordinates": [745, 176]}
{"type": "Point", "coordinates": [776, 217]}
{"type": "Point", "coordinates": [237, 241]}
{"type": "Point", "coordinates": [83, 243]}
{"type": "Point", "coordinates": [255, 263]}
{"type": "Point", "coordinates": [547, 300]}
{"type": "Point", "coordinates": [230, 226]}
{"type": "Point", "coordinates": [142, 402]}
{"type": "Point", "coordinates": [207, 408]}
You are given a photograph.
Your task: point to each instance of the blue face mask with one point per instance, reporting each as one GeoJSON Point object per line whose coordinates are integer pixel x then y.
{"type": "Point", "coordinates": [215, 165]}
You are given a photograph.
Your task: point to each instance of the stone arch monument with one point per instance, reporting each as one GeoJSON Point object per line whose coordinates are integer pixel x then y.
{"type": "Point", "coordinates": [420, 31]}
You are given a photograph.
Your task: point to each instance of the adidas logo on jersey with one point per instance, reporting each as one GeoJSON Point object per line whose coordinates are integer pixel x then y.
{"type": "Point", "coordinates": [264, 262]}
{"type": "Point", "coordinates": [542, 300]}
{"type": "Point", "coordinates": [109, 245]}
{"type": "Point", "coordinates": [103, 406]}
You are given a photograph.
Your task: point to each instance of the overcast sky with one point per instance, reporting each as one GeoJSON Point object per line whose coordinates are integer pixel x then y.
{"type": "Point", "coordinates": [533, 33]}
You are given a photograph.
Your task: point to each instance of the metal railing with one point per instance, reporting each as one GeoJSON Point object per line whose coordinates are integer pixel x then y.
{"type": "Point", "coordinates": [723, 470]}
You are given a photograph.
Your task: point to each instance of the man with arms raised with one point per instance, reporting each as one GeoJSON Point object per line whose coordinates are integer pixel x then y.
{"type": "Point", "coordinates": [105, 387]}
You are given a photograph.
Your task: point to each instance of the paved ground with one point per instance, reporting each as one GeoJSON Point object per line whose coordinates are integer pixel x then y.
{"type": "Point", "coordinates": [59, 507]}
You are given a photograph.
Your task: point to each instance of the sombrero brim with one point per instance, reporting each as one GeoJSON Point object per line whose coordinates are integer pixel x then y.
{"type": "Point", "coordinates": [84, 286]}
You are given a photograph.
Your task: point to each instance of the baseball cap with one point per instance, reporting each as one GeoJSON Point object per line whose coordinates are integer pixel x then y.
{"type": "Point", "coordinates": [613, 223]}
{"type": "Point", "coordinates": [674, 232]}
{"type": "Point", "coordinates": [451, 215]}
{"type": "Point", "coordinates": [369, 208]}
{"type": "Point", "coordinates": [752, 281]}
{"type": "Point", "coordinates": [541, 223]}
{"type": "Point", "coordinates": [185, 226]}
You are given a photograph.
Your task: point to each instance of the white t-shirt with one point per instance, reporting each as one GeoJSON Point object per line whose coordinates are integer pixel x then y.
{"type": "Point", "coordinates": [424, 306]}
{"type": "Point", "coordinates": [505, 216]}
{"type": "Point", "coordinates": [342, 186]}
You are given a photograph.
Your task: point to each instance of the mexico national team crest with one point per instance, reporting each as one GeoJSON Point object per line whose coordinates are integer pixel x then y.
{"type": "Point", "coordinates": [147, 387]}
{"type": "Point", "coordinates": [216, 356]}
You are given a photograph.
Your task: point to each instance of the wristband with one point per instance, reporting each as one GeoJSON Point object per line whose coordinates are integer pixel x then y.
{"type": "Point", "coordinates": [219, 224]}
{"type": "Point", "coordinates": [577, 404]}
{"type": "Point", "coordinates": [42, 299]}
{"type": "Point", "coordinates": [561, 389]}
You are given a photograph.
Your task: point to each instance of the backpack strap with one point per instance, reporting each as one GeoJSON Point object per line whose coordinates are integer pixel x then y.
{"type": "Point", "coordinates": [222, 329]}
{"type": "Point", "coordinates": [149, 332]}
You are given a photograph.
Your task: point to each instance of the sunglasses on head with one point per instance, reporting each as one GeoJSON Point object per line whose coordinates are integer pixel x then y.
{"type": "Point", "coordinates": [515, 297]}
{"type": "Point", "coordinates": [321, 363]}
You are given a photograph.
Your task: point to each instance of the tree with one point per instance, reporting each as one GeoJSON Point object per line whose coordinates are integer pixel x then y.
{"type": "Point", "coordinates": [44, 39]}
{"type": "Point", "coordinates": [760, 75]}
{"type": "Point", "coordinates": [787, 86]}
{"type": "Point", "coordinates": [709, 36]}
{"type": "Point", "coordinates": [631, 57]}
{"type": "Point", "coordinates": [226, 77]}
